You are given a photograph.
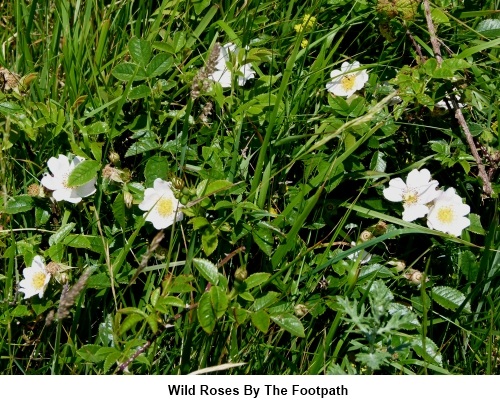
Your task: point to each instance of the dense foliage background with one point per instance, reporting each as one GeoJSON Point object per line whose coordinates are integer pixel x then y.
{"type": "Point", "coordinates": [288, 259]}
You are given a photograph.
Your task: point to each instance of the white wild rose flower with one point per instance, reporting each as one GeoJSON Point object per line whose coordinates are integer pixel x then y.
{"type": "Point", "coordinates": [418, 191]}
{"type": "Point", "coordinates": [161, 205]}
{"type": "Point", "coordinates": [36, 279]}
{"type": "Point", "coordinates": [448, 213]}
{"type": "Point", "coordinates": [347, 80]}
{"type": "Point", "coordinates": [223, 75]}
{"type": "Point", "coordinates": [61, 167]}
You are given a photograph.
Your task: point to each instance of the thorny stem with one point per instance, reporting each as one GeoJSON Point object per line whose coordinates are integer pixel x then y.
{"type": "Point", "coordinates": [458, 112]}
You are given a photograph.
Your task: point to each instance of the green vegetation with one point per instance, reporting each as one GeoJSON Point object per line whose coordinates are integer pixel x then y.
{"type": "Point", "coordinates": [230, 206]}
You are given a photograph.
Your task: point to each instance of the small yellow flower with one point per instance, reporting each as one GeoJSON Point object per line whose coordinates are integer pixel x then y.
{"type": "Point", "coordinates": [304, 43]}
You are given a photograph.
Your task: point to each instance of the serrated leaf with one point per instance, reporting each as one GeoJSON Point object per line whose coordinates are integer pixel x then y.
{"type": "Point", "coordinates": [96, 128]}
{"type": "Point", "coordinates": [118, 209]}
{"type": "Point", "coordinates": [199, 222]}
{"type": "Point", "coordinates": [93, 243]}
{"type": "Point", "coordinates": [373, 360]}
{"type": "Point", "coordinates": [261, 321]}
{"type": "Point", "coordinates": [489, 28]}
{"type": "Point", "coordinates": [290, 323]}
{"type": "Point", "coordinates": [170, 301]}
{"type": "Point", "coordinates": [157, 167]}
{"type": "Point", "coordinates": [83, 173]}
{"type": "Point", "coordinates": [17, 204]}
{"type": "Point", "coordinates": [61, 233]}
{"type": "Point", "coordinates": [207, 269]}
{"type": "Point", "coordinates": [111, 359]}
{"type": "Point", "coordinates": [141, 146]}
{"type": "Point", "coordinates": [88, 353]}
{"type": "Point", "coordinates": [127, 72]}
{"type": "Point", "coordinates": [431, 353]}
{"type": "Point", "coordinates": [138, 92]}
{"type": "Point", "coordinates": [209, 240]}
{"type": "Point", "coordinates": [158, 65]}
{"type": "Point", "coordinates": [240, 315]}
{"type": "Point", "coordinates": [217, 186]}
{"type": "Point", "coordinates": [256, 279]}
{"type": "Point", "coordinates": [7, 107]}
{"type": "Point", "coordinates": [56, 252]}
{"type": "Point", "coordinates": [205, 312]}
{"type": "Point", "coordinates": [129, 322]}
{"type": "Point", "coordinates": [219, 301]}
{"type": "Point", "coordinates": [106, 331]}
{"type": "Point", "coordinates": [475, 224]}
{"type": "Point", "coordinates": [152, 322]}
{"type": "Point", "coordinates": [265, 301]}
{"type": "Point", "coordinates": [449, 298]}
{"type": "Point", "coordinates": [264, 240]}
{"type": "Point", "coordinates": [20, 311]}
{"type": "Point", "coordinates": [140, 50]}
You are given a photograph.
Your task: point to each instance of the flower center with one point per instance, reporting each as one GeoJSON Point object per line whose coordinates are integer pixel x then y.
{"type": "Point", "coordinates": [348, 82]}
{"type": "Point", "coordinates": [65, 181]}
{"type": "Point", "coordinates": [445, 215]}
{"type": "Point", "coordinates": [165, 207]}
{"type": "Point", "coordinates": [410, 197]}
{"type": "Point", "coordinates": [38, 280]}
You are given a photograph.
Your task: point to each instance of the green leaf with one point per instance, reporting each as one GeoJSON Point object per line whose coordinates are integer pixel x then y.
{"type": "Point", "coordinates": [431, 352]}
{"type": "Point", "coordinates": [264, 240]}
{"type": "Point", "coordinates": [138, 92]}
{"type": "Point", "coordinates": [290, 323]}
{"type": "Point", "coordinates": [83, 173]}
{"type": "Point", "coordinates": [93, 243]}
{"type": "Point", "coordinates": [217, 186]}
{"type": "Point", "coordinates": [118, 209]}
{"type": "Point", "coordinates": [88, 353]}
{"type": "Point", "coordinates": [209, 240]}
{"type": "Point", "coordinates": [373, 360]}
{"type": "Point", "coordinates": [157, 167]}
{"type": "Point", "coordinates": [111, 359]}
{"type": "Point", "coordinates": [449, 298]}
{"type": "Point", "coordinates": [489, 28]}
{"type": "Point", "coordinates": [158, 65]}
{"type": "Point", "coordinates": [205, 312]}
{"type": "Point", "coordinates": [17, 204]}
{"type": "Point", "coordinates": [96, 128]}
{"type": "Point", "coordinates": [199, 222]}
{"type": "Point", "coordinates": [141, 146]}
{"type": "Point", "coordinates": [207, 269]}
{"type": "Point", "coordinates": [62, 232]}
{"type": "Point", "coordinates": [7, 107]}
{"type": "Point", "coordinates": [265, 301]}
{"type": "Point", "coordinates": [152, 322]}
{"type": "Point", "coordinates": [128, 72]}
{"type": "Point", "coordinates": [56, 252]}
{"type": "Point", "coordinates": [261, 321]}
{"type": "Point", "coordinates": [129, 322]}
{"type": "Point", "coordinates": [164, 302]}
{"type": "Point", "coordinates": [240, 315]}
{"type": "Point", "coordinates": [140, 50]}
{"type": "Point", "coordinates": [256, 279]}
{"type": "Point", "coordinates": [219, 301]}
{"type": "Point", "coordinates": [20, 311]}
{"type": "Point", "coordinates": [475, 225]}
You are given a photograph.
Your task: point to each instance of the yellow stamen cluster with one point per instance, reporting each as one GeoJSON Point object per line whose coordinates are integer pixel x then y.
{"type": "Point", "coordinates": [165, 207]}
{"type": "Point", "coordinates": [38, 280]}
{"type": "Point", "coordinates": [445, 215]}
{"type": "Point", "coordinates": [348, 82]}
